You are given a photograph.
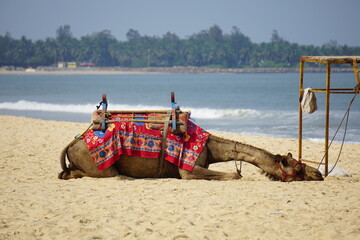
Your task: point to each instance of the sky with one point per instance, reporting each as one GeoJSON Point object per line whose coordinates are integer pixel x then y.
{"type": "Point", "coordinates": [308, 22]}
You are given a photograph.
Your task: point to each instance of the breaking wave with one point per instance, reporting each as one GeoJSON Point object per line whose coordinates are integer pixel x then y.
{"type": "Point", "coordinates": [199, 113]}
{"type": "Point", "coordinates": [245, 121]}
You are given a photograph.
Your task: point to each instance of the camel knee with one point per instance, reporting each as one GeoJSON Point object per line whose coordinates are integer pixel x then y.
{"type": "Point", "coordinates": [233, 176]}
{"type": "Point", "coordinates": [185, 174]}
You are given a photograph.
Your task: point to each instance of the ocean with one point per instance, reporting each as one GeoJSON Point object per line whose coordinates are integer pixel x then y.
{"type": "Point", "coordinates": [263, 104]}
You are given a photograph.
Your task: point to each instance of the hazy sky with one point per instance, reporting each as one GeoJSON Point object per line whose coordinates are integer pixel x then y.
{"type": "Point", "coordinates": [303, 21]}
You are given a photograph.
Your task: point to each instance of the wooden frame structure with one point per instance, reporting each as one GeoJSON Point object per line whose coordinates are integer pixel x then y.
{"type": "Point", "coordinates": [328, 60]}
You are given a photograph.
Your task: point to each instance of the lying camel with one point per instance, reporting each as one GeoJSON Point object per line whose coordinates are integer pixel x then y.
{"type": "Point", "coordinates": [217, 149]}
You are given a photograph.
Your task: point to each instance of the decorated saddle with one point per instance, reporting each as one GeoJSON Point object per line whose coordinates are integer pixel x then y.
{"type": "Point", "coordinates": [140, 135]}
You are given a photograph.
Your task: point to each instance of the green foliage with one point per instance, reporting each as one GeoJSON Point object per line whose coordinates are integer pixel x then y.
{"type": "Point", "coordinates": [210, 48]}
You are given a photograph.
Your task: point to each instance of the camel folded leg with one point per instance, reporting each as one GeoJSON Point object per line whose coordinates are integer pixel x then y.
{"type": "Point", "coordinates": [207, 174]}
{"type": "Point", "coordinates": [82, 164]}
{"type": "Point", "coordinates": [76, 173]}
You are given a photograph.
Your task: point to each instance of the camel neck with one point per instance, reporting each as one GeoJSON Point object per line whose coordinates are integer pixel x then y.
{"type": "Point", "coordinates": [223, 150]}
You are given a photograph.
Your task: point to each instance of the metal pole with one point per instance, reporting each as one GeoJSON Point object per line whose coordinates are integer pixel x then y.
{"type": "Point", "coordinates": [301, 80]}
{"type": "Point", "coordinates": [328, 70]}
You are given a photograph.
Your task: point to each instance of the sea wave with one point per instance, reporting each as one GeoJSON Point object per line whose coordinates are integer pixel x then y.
{"type": "Point", "coordinates": [244, 121]}
{"type": "Point", "coordinates": [213, 113]}
{"type": "Point", "coordinates": [24, 105]}
{"type": "Point", "coordinates": [198, 113]}
{"type": "Point", "coordinates": [265, 116]}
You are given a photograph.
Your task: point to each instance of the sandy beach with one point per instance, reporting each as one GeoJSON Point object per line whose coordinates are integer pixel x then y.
{"type": "Point", "coordinates": [35, 204]}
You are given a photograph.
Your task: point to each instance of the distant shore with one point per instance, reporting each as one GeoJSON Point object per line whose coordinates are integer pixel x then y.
{"type": "Point", "coordinates": [162, 70]}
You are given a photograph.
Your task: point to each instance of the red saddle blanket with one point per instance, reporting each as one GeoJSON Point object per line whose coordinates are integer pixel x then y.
{"type": "Point", "coordinates": [137, 139]}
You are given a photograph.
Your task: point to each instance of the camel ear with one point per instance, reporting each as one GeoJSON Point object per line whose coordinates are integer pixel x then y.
{"type": "Point", "coordinates": [289, 155]}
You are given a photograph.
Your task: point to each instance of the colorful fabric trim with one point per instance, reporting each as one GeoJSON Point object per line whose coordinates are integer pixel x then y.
{"type": "Point", "coordinates": [137, 139]}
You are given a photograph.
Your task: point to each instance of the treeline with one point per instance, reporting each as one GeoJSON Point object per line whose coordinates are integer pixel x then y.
{"type": "Point", "coordinates": [207, 48]}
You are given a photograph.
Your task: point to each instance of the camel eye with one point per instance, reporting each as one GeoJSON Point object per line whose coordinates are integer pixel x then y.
{"type": "Point", "coordinates": [284, 162]}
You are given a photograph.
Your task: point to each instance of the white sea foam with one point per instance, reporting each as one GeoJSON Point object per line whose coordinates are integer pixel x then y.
{"type": "Point", "coordinates": [200, 113]}
{"type": "Point", "coordinates": [213, 113]}
{"type": "Point", "coordinates": [47, 107]}
{"type": "Point", "coordinates": [245, 121]}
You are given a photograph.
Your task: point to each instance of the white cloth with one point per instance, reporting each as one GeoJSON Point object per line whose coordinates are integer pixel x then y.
{"type": "Point", "coordinates": [308, 102]}
{"type": "Point", "coordinates": [336, 172]}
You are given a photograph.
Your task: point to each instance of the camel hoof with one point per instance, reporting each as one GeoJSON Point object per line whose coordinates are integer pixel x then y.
{"type": "Point", "coordinates": [70, 174]}
{"type": "Point", "coordinates": [237, 176]}
{"type": "Point", "coordinates": [64, 175]}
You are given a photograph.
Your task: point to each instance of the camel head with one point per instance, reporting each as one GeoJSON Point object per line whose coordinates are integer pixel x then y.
{"type": "Point", "coordinates": [292, 170]}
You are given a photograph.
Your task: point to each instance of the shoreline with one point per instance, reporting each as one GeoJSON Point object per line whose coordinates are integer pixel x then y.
{"type": "Point", "coordinates": [163, 70]}
{"type": "Point", "coordinates": [37, 205]}
{"type": "Point", "coordinates": [85, 119]}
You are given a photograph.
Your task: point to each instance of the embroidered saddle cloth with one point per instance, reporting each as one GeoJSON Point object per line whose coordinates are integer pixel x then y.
{"type": "Point", "coordinates": [139, 139]}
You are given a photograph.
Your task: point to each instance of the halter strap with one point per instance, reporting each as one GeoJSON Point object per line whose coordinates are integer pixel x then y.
{"type": "Point", "coordinates": [294, 176]}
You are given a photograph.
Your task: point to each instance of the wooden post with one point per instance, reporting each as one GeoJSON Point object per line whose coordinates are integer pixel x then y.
{"type": "Point", "coordinates": [301, 80]}
{"type": "Point", "coordinates": [327, 125]}
{"type": "Point", "coordinates": [356, 71]}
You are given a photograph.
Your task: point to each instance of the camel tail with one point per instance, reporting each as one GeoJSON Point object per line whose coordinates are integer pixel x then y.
{"type": "Point", "coordinates": [64, 154]}
{"type": "Point", "coordinates": [63, 158]}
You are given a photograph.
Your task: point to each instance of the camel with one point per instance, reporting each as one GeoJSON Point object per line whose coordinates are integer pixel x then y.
{"type": "Point", "coordinates": [217, 149]}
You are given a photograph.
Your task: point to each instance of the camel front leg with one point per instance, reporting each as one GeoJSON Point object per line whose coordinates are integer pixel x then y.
{"type": "Point", "coordinates": [207, 174]}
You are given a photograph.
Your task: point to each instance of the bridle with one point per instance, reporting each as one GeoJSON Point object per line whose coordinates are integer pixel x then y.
{"type": "Point", "coordinates": [295, 177]}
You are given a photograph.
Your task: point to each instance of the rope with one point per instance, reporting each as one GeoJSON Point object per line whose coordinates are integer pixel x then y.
{"type": "Point", "coordinates": [98, 106]}
{"type": "Point", "coordinates": [78, 136]}
{"type": "Point", "coordinates": [238, 169]}
{"type": "Point", "coordinates": [346, 115]}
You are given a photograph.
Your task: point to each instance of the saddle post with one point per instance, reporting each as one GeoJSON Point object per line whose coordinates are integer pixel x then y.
{"type": "Point", "coordinates": [173, 112]}
{"type": "Point", "coordinates": [104, 104]}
